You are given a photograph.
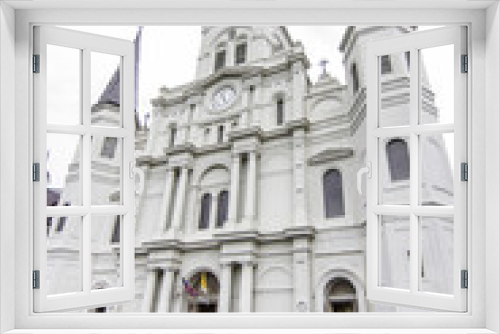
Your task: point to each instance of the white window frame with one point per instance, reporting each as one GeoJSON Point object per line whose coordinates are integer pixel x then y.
{"type": "Point", "coordinates": [87, 297]}
{"type": "Point", "coordinates": [376, 133]}
{"type": "Point", "coordinates": [484, 211]}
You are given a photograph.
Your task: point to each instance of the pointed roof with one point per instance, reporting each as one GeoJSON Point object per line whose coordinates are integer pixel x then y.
{"type": "Point", "coordinates": [111, 94]}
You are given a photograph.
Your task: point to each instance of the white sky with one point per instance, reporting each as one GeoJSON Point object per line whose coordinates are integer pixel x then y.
{"type": "Point", "coordinates": [168, 58]}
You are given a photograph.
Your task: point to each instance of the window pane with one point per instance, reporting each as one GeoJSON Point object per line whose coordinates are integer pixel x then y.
{"type": "Point", "coordinates": [105, 89]}
{"type": "Point", "coordinates": [394, 171]}
{"type": "Point", "coordinates": [63, 85]}
{"type": "Point", "coordinates": [437, 169]}
{"type": "Point", "coordinates": [64, 273]}
{"type": "Point", "coordinates": [206, 204]}
{"type": "Point", "coordinates": [106, 262]}
{"type": "Point", "coordinates": [222, 208]}
{"type": "Point", "coordinates": [333, 194]}
{"type": "Point", "coordinates": [395, 252]}
{"type": "Point", "coordinates": [436, 79]}
{"type": "Point", "coordinates": [106, 170]}
{"type": "Point", "coordinates": [394, 90]}
{"type": "Point", "coordinates": [436, 266]}
{"type": "Point", "coordinates": [63, 170]}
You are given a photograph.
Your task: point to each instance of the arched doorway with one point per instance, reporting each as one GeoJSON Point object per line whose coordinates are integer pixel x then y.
{"type": "Point", "coordinates": [202, 291]}
{"type": "Point", "coordinates": [340, 296]}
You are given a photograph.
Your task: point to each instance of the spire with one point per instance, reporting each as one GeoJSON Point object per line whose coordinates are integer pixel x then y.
{"type": "Point", "coordinates": [111, 94]}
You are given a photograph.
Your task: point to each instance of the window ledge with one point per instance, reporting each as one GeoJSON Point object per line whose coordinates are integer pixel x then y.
{"type": "Point", "coordinates": [251, 331]}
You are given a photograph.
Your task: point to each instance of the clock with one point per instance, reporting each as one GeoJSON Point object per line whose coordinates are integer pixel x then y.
{"type": "Point", "coordinates": [223, 98]}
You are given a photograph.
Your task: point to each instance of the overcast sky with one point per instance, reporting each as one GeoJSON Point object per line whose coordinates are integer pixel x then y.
{"type": "Point", "coordinates": [168, 58]}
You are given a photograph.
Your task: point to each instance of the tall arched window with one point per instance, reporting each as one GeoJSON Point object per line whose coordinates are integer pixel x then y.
{"type": "Point", "coordinates": [333, 194]}
{"type": "Point", "coordinates": [222, 207]}
{"type": "Point", "coordinates": [220, 134]}
{"type": "Point", "coordinates": [206, 204]}
{"type": "Point", "coordinates": [279, 111]}
{"type": "Point", "coordinates": [398, 159]}
{"type": "Point", "coordinates": [355, 78]}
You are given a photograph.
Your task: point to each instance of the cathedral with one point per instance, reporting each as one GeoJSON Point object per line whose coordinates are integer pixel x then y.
{"type": "Point", "coordinates": [250, 200]}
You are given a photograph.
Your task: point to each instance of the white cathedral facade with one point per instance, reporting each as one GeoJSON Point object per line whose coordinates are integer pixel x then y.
{"type": "Point", "coordinates": [250, 197]}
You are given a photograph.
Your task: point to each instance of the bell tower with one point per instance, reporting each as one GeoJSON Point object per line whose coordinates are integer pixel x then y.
{"type": "Point", "coordinates": [229, 46]}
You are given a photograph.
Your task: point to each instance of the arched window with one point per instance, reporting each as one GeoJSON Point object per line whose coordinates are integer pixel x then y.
{"type": "Point", "coordinates": [220, 60]}
{"type": "Point", "coordinates": [385, 64]}
{"type": "Point", "coordinates": [241, 53]}
{"type": "Point", "coordinates": [206, 204]}
{"type": "Point", "coordinates": [173, 134]}
{"type": "Point", "coordinates": [202, 292]}
{"type": "Point", "coordinates": [279, 111]}
{"type": "Point", "coordinates": [222, 207]}
{"type": "Point", "coordinates": [398, 159]}
{"type": "Point", "coordinates": [355, 78]}
{"type": "Point", "coordinates": [333, 194]}
{"type": "Point", "coordinates": [340, 296]}
{"type": "Point", "coordinates": [220, 133]}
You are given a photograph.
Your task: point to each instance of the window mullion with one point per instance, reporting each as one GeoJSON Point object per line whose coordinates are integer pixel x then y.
{"type": "Point", "coordinates": [414, 170]}
{"type": "Point", "coordinates": [86, 177]}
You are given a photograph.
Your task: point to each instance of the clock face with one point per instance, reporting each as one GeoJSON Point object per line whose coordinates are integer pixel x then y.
{"type": "Point", "coordinates": [223, 98]}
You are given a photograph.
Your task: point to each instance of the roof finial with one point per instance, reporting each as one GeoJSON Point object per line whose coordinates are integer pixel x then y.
{"type": "Point", "coordinates": [323, 62]}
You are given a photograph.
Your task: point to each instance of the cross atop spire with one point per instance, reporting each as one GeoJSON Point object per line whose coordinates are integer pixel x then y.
{"type": "Point", "coordinates": [323, 62]}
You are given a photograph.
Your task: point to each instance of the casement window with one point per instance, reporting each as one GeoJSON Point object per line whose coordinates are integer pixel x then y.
{"type": "Point", "coordinates": [414, 220]}
{"type": "Point", "coordinates": [418, 222]}
{"type": "Point", "coordinates": [69, 57]}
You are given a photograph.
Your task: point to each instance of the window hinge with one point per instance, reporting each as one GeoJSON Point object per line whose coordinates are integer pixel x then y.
{"type": "Point", "coordinates": [465, 64]}
{"type": "Point", "coordinates": [464, 171]}
{"type": "Point", "coordinates": [36, 63]}
{"type": "Point", "coordinates": [464, 279]}
{"type": "Point", "coordinates": [36, 279]}
{"type": "Point", "coordinates": [36, 172]}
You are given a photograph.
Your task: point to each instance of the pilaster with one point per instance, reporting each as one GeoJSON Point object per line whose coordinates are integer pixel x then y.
{"type": "Point", "coordinates": [302, 274]}
{"type": "Point", "coordinates": [165, 223]}
{"type": "Point", "coordinates": [225, 287]}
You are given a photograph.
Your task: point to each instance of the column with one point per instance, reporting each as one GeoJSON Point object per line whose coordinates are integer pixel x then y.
{"type": "Point", "coordinates": [234, 191]}
{"type": "Point", "coordinates": [299, 179]}
{"type": "Point", "coordinates": [213, 213]}
{"type": "Point", "coordinates": [299, 89]}
{"type": "Point", "coordinates": [256, 103]}
{"type": "Point", "coordinates": [166, 290]}
{"type": "Point", "coordinates": [167, 199]}
{"type": "Point", "coordinates": [180, 200]}
{"type": "Point", "coordinates": [150, 288]}
{"type": "Point", "coordinates": [251, 200]}
{"type": "Point", "coordinates": [246, 287]}
{"type": "Point", "coordinates": [194, 206]}
{"type": "Point", "coordinates": [225, 288]}
{"type": "Point", "coordinates": [302, 275]}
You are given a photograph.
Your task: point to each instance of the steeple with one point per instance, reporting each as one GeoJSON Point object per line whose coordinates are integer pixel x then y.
{"type": "Point", "coordinates": [111, 94]}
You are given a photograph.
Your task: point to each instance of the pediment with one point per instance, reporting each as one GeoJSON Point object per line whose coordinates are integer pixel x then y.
{"type": "Point", "coordinates": [331, 154]}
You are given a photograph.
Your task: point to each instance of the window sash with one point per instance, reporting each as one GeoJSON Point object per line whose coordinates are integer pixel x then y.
{"type": "Point", "coordinates": [87, 297]}
{"type": "Point", "coordinates": [413, 297]}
